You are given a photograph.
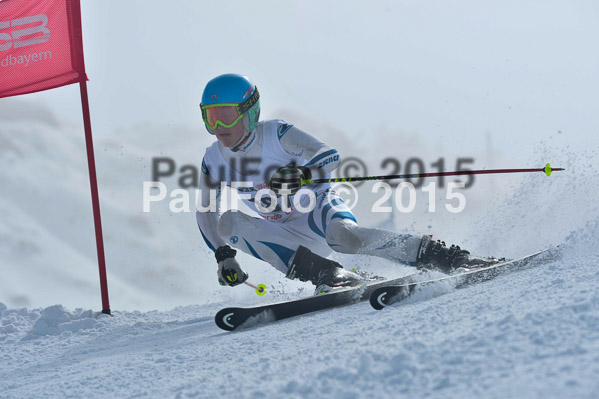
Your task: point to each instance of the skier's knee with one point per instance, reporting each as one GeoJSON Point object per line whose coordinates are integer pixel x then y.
{"type": "Point", "coordinates": [342, 236]}
{"type": "Point", "coordinates": [234, 223]}
{"type": "Point", "coordinates": [225, 224]}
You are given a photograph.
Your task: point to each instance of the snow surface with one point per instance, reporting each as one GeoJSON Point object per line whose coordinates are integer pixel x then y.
{"type": "Point", "coordinates": [530, 334]}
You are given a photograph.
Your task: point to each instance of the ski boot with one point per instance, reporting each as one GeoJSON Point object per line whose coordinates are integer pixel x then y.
{"type": "Point", "coordinates": [435, 255]}
{"type": "Point", "coordinates": [324, 273]}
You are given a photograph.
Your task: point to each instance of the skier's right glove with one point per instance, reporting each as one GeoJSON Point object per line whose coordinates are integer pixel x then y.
{"type": "Point", "coordinates": [229, 272]}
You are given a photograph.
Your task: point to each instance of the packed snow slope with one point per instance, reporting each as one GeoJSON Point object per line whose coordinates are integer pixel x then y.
{"type": "Point", "coordinates": [529, 334]}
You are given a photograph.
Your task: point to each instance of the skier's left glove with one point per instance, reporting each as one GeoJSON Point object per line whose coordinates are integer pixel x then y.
{"type": "Point", "coordinates": [287, 180]}
{"type": "Point", "coordinates": [229, 272]}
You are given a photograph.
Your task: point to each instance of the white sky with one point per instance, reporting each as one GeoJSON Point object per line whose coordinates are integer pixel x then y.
{"type": "Point", "coordinates": [455, 72]}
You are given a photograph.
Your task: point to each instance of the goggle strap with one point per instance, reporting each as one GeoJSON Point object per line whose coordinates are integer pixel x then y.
{"type": "Point", "coordinates": [249, 103]}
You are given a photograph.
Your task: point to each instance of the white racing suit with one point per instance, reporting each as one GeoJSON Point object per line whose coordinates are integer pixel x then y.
{"type": "Point", "coordinates": [273, 235]}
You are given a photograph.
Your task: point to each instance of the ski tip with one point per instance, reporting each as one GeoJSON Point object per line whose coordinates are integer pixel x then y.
{"type": "Point", "coordinates": [378, 299]}
{"type": "Point", "coordinates": [227, 319]}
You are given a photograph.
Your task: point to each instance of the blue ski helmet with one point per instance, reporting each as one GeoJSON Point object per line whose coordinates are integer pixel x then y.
{"type": "Point", "coordinates": [229, 98]}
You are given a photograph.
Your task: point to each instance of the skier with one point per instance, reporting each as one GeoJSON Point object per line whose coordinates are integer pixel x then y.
{"type": "Point", "coordinates": [294, 242]}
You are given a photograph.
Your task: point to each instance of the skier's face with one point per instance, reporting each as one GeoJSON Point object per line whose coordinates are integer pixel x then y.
{"type": "Point", "coordinates": [229, 136]}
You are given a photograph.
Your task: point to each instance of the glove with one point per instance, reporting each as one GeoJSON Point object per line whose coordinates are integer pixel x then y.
{"type": "Point", "coordinates": [229, 272]}
{"type": "Point", "coordinates": [287, 180]}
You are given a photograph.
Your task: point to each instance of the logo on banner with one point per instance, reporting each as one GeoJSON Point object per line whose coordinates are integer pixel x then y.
{"type": "Point", "coordinates": [14, 38]}
{"type": "Point", "coordinates": [19, 38]}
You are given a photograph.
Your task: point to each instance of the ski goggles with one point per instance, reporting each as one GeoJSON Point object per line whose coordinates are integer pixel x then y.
{"type": "Point", "coordinates": [227, 114]}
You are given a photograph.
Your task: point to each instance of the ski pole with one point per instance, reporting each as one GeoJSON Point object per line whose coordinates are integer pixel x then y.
{"type": "Point", "coordinates": [260, 288]}
{"type": "Point", "coordinates": [547, 170]}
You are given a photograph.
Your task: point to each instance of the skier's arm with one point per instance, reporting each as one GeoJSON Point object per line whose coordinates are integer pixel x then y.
{"type": "Point", "coordinates": [323, 158]}
{"type": "Point", "coordinates": [208, 210]}
{"type": "Point", "coordinates": [207, 215]}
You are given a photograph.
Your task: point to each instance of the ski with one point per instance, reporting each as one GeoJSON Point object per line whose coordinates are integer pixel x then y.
{"type": "Point", "coordinates": [381, 297]}
{"type": "Point", "coordinates": [380, 293]}
{"type": "Point", "coordinates": [231, 318]}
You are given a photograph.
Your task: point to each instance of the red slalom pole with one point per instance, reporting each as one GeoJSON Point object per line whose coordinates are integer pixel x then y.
{"type": "Point", "coordinates": [547, 170]}
{"type": "Point", "coordinates": [91, 163]}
